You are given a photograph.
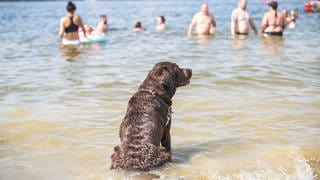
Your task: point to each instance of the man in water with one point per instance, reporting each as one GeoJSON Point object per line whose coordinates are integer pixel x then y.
{"type": "Point", "coordinates": [241, 20]}
{"type": "Point", "coordinates": [204, 21]}
{"type": "Point", "coordinates": [273, 22]}
{"type": "Point", "coordinates": [102, 26]}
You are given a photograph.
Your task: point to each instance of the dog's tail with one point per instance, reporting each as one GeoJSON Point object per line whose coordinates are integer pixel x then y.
{"type": "Point", "coordinates": [139, 157]}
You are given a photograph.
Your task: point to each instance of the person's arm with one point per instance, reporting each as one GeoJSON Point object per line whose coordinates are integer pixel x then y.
{"type": "Point", "coordinates": [288, 20]}
{"type": "Point", "coordinates": [253, 26]}
{"type": "Point", "coordinates": [61, 28]}
{"type": "Point", "coordinates": [82, 27]}
{"type": "Point", "coordinates": [213, 21]}
{"type": "Point", "coordinates": [212, 25]}
{"type": "Point", "coordinates": [284, 21]}
{"type": "Point", "coordinates": [99, 28]}
{"type": "Point", "coordinates": [192, 24]}
{"type": "Point", "coordinates": [233, 24]}
{"type": "Point", "coordinates": [264, 22]}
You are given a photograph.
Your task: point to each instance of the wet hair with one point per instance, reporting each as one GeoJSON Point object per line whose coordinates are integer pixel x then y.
{"type": "Point", "coordinates": [137, 24]}
{"type": "Point", "coordinates": [71, 6]}
{"type": "Point", "coordinates": [163, 19]}
{"type": "Point", "coordinates": [273, 4]}
{"type": "Point", "coordinates": [104, 16]}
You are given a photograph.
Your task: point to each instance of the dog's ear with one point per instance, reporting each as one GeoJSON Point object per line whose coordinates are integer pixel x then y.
{"type": "Point", "coordinates": [157, 72]}
{"type": "Point", "coordinates": [163, 77]}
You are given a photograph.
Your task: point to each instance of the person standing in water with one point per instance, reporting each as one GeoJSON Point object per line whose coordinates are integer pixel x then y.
{"type": "Point", "coordinates": [69, 26]}
{"type": "Point", "coordinates": [161, 23]}
{"type": "Point", "coordinates": [273, 22]}
{"type": "Point", "coordinates": [204, 21]}
{"type": "Point", "coordinates": [102, 26]}
{"type": "Point", "coordinates": [290, 18]}
{"type": "Point", "coordinates": [241, 20]}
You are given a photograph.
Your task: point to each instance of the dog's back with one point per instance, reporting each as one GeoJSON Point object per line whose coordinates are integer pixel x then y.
{"type": "Point", "coordinates": [139, 149]}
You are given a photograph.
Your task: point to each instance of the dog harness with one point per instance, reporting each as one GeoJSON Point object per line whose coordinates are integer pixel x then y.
{"type": "Point", "coordinates": [156, 96]}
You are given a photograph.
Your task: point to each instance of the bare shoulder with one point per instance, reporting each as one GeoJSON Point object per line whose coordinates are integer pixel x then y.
{"type": "Point", "coordinates": [211, 15]}
{"type": "Point", "coordinates": [248, 14]}
{"type": "Point", "coordinates": [197, 15]}
{"type": "Point", "coordinates": [235, 10]}
{"type": "Point", "coordinates": [281, 14]}
{"type": "Point", "coordinates": [62, 19]}
{"type": "Point", "coordinates": [265, 15]}
{"type": "Point", "coordinates": [77, 19]}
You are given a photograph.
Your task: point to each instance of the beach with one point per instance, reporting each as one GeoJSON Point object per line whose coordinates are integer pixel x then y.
{"type": "Point", "coordinates": [251, 110]}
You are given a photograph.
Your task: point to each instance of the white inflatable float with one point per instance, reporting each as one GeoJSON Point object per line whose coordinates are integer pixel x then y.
{"type": "Point", "coordinates": [94, 39]}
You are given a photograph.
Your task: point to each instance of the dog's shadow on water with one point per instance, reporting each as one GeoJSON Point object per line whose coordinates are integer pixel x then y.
{"type": "Point", "coordinates": [184, 154]}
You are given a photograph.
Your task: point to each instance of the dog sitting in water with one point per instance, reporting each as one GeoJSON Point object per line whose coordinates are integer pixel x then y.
{"type": "Point", "coordinates": [145, 129]}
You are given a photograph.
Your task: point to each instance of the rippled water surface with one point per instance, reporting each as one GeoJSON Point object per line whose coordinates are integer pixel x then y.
{"type": "Point", "coordinates": [252, 110]}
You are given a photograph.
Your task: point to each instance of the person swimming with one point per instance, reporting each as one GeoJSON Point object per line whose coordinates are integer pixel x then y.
{"type": "Point", "coordinates": [92, 32]}
{"type": "Point", "coordinates": [69, 26]}
{"type": "Point", "coordinates": [290, 18]}
{"type": "Point", "coordinates": [161, 23]}
{"type": "Point", "coordinates": [138, 26]}
{"type": "Point", "coordinates": [273, 21]}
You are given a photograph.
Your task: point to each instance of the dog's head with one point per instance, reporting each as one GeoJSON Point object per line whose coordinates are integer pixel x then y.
{"type": "Point", "coordinates": [169, 76]}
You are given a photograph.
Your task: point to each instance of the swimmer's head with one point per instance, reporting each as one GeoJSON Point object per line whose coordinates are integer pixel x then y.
{"type": "Point", "coordinates": [71, 7]}
{"type": "Point", "coordinates": [137, 24]}
{"type": "Point", "coordinates": [273, 5]}
{"type": "Point", "coordinates": [103, 18]}
{"type": "Point", "coordinates": [205, 8]}
{"type": "Point", "coordinates": [242, 4]}
{"type": "Point", "coordinates": [285, 12]}
{"type": "Point", "coordinates": [294, 13]}
{"type": "Point", "coordinates": [161, 20]}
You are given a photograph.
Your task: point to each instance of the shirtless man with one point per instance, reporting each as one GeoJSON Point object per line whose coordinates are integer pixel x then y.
{"type": "Point", "coordinates": [204, 21]}
{"type": "Point", "coordinates": [273, 22]}
{"type": "Point", "coordinates": [69, 26]}
{"type": "Point", "coordinates": [102, 26]}
{"type": "Point", "coordinates": [241, 20]}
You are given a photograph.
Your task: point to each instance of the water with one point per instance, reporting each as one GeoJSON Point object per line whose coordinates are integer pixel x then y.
{"type": "Point", "coordinates": [250, 112]}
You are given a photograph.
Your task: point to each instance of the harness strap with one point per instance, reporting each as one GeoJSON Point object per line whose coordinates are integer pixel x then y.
{"type": "Point", "coordinates": [161, 101]}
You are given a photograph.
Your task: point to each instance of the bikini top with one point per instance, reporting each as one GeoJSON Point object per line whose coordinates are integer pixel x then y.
{"type": "Point", "coordinates": [72, 27]}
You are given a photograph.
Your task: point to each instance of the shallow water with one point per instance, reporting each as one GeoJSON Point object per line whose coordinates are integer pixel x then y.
{"type": "Point", "coordinates": [250, 112]}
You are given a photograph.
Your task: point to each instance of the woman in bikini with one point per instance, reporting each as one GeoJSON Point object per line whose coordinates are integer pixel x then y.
{"type": "Point", "coordinates": [273, 21]}
{"type": "Point", "coordinates": [69, 26]}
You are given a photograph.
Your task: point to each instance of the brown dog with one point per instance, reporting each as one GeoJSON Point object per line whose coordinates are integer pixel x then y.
{"type": "Point", "coordinates": [145, 130]}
